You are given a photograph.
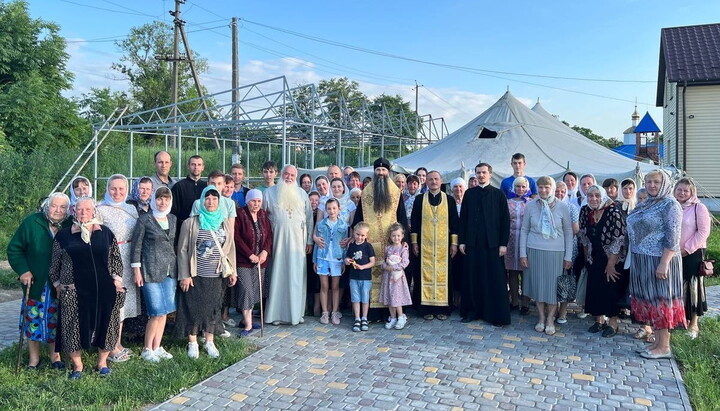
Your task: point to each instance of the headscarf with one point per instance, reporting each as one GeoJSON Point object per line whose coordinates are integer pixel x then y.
{"type": "Point", "coordinates": [135, 193]}
{"type": "Point", "coordinates": [456, 181]}
{"type": "Point", "coordinates": [253, 194]}
{"type": "Point", "coordinates": [210, 220]}
{"type": "Point", "coordinates": [46, 208]}
{"type": "Point", "coordinates": [356, 190]}
{"type": "Point", "coordinates": [547, 221]}
{"type": "Point", "coordinates": [665, 192]}
{"type": "Point", "coordinates": [108, 200]}
{"type": "Point", "coordinates": [571, 194]}
{"type": "Point", "coordinates": [628, 204]}
{"type": "Point", "coordinates": [604, 198]}
{"type": "Point", "coordinates": [73, 197]}
{"type": "Point", "coordinates": [693, 193]}
{"type": "Point", "coordinates": [527, 194]}
{"type": "Point", "coordinates": [153, 203]}
{"type": "Point", "coordinates": [85, 227]}
{"type": "Point", "coordinates": [580, 193]}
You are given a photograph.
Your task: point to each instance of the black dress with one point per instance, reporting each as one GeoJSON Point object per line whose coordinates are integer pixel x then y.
{"type": "Point", "coordinates": [604, 297]}
{"type": "Point", "coordinates": [89, 304]}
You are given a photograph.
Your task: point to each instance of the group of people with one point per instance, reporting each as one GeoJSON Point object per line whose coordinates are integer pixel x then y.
{"type": "Point", "coordinates": [199, 247]}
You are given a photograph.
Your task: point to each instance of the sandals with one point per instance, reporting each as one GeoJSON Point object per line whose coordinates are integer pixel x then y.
{"type": "Point", "coordinates": [121, 356]}
{"type": "Point", "coordinates": [550, 329]}
{"type": "Point", "coordinates": [429, 317]}
{"type": "Point", "coordinates": [442, 317]}
{"type": "Point", "coordinates": [540, 327]}
{"type": "Point", "coordinates": [641, 334]}
{"type": "Point", "coordinates": [650, 338]}
{"type": "Point", "coordinates": [356, 326]}
{"type": "Point", "coordinates": [364, 325]}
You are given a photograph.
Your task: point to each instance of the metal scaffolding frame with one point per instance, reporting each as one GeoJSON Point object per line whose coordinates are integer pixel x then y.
{"type": "Point", "coordinates": [270, 114]}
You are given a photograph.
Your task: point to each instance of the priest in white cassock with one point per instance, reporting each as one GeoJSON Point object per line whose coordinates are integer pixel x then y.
{"type": "Point", "coordinates": [290, 214]}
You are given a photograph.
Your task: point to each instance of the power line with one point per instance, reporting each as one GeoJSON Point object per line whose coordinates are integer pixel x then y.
{"type": "Point", "coordinates": [128, 8]}
{"type": "Point", "coordinates": [106, 9]}
{"type": "Point", "coordinates": [432, 63]}
{"type": "Point", "coordinates": [209, 11]}
{"type": "Point", "coordinates": [115, 38]}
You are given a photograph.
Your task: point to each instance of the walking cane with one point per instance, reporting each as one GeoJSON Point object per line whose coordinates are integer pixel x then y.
{"type": "Point", "coordinates": [22, 328]}
{"type": "Point", "coordinates": [262, 315]}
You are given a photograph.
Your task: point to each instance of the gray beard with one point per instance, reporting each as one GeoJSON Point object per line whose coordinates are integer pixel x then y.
{"type": "Point", "coordinates": [381, 194]}
{"type": "Point", "coordinates": [288, 196]}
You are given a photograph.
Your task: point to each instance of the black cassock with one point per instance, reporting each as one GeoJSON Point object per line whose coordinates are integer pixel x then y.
{"type": "Point", "coordinates": [484, 227]}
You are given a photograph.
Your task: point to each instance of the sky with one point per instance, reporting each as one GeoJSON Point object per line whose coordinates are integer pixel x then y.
{"type": "Point", "coordinates": [586, 62]}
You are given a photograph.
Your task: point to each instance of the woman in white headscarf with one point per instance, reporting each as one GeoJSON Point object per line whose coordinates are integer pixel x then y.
{"type": "Point", "coordinates": [545, 251]}
{"type": "Point", "coordinates": [602, 235]}
{"type": "Point", "coordinates": [79, 187]}
{"type": "Point", "coordinates": [121, 217]}
{"type": "Point", "coordinates": [155, 270]}
{"type": "Point", "coordinates": [656, 268]}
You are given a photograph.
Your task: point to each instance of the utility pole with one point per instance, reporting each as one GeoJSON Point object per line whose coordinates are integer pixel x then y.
{"type": "Point", "coordinates": [236, 150]}
{"type": "Point", "coordinates": [176, 58]}
{"type": "Point", "coordinates": [417, 115]}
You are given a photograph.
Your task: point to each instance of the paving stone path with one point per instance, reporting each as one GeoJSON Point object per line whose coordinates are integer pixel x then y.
{"type": "Point", "coordinates": [435, 365]}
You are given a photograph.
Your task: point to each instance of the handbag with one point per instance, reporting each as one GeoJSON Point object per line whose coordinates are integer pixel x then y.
{"type": "Point", "coordinates": [707, 266]}
{"type": "Point", "coordinates": [566, 287]}
{"type": "Point", "coordinates": [224, 265]}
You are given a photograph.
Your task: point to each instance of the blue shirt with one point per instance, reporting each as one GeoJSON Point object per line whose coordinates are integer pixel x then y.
{"type": "Point", "coordinates": [507, 187]}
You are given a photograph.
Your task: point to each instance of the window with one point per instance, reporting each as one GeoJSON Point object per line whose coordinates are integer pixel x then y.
{"type": "Point", "coordinates": [487, 133]}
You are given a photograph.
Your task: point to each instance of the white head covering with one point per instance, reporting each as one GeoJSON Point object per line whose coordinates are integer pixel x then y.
{"type": "Point", "coordinates": [253, 194]}
{"type": "Point", "coordinates": [108, 200]}
{"type": "Point", "coordinates": [85, 227]}
{"type": "Point", "coordinates": [547, 220]}
{"type": "Point", "coordinates": [457, 181]}
{"type": "Point", "coordinates": [153, 203]}
{"type": "Point", "coordinates": [73, 197]}
{"type": "Point", "coordinates": [604, 198]}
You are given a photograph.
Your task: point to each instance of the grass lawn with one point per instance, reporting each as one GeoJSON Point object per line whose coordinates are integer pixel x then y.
{"type": "Point", "coordinates": [131, 386]}
{"type": "Point", "coordinates": [700, 363]}
{"type": "Point", "coordinates": [8, 279]}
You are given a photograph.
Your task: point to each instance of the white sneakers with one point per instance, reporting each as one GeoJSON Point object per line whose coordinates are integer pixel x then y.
{"type": "Point", "coordinates": [401, 321]}
{"type": "Point", "coordinates": [149, 355]}
{"type": "Point", "coordinates": [193, 350]}
{"type": "Point", "coordinates": [396, 323]}
{"type": "Point", "coordinates": [162, 354]}
{"type": "Point", "coordinates": [212, 351]}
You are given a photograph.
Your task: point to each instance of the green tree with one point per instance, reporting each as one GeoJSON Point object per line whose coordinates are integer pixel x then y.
{"type": "Point", "coordinates": [399, 110]}
{"type": "Point", "coordinates": [150, 78]}
{"type": "Point", "coordinates": [33, 112]}
{"type": "Point", "coordinates": [342, 98]}
{"type": "Point", "coordinates": [605, 142]}
{"type": "Point", "coordinates": [99, 103]}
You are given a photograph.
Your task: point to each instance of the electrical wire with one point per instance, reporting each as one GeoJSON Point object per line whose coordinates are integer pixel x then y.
{"type": "Point", "coordinates": [106, 9]}
{"type": "Point", "coordinates": [129, 9]}
{"type": "Point", "coordinates": [432, 63]}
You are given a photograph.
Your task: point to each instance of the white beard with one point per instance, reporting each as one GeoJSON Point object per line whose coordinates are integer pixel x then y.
{"type": "Point", "coordinates": [288, 196]}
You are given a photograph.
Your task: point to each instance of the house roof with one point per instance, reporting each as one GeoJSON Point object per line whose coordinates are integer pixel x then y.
{"type": "Point", "coordinates": [647, 125]}
{"type": "Point", "coordinates": [688, 54]}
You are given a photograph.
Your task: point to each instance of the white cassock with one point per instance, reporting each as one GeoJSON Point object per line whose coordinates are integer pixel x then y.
{"type": "Point", "coordinates": [292, 231]}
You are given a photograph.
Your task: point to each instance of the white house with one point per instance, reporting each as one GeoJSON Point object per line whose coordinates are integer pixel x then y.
{"type": "Point", "coordinates": [688, 89]}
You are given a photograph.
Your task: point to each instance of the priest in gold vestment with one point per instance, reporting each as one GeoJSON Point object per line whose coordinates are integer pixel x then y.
{"type": "Point", "coordinates": [433, 222]}
{"type": "Point", "coordinates": [380, 206]}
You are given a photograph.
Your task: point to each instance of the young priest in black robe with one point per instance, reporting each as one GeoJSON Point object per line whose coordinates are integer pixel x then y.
{"type": "Point", "coordinates": [483, 236]}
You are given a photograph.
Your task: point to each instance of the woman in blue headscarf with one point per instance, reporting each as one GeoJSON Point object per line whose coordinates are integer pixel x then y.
{"type": "Point", "coordinates": [545, 251]}
{"type": "Point", "coordinates": [205, 239]}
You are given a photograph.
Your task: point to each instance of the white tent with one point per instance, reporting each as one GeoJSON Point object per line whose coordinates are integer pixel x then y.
{"type": "Point", "coordinates": [509, 127]}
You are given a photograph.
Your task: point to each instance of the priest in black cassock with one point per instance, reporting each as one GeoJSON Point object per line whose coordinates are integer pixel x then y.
{"type": "Point", "coordinates": [483, 236]}
{"type": "Point", "coordinates": [433, 228]}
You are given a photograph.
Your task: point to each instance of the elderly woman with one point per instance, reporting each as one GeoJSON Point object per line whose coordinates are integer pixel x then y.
{"type": "Point", "coordinates": [205, 239]}
{"type": "Point", "coordinates": [602, 235]}
{"type": "Point", "coordinates": [413, 190]}
{"type": "Point", "coordinates": [120, 217]}
{"type": "Point", "coordinates": [545, 251]}
{"type": "Point", "coordinates": [694, 232]}
{"type": "Point", "coordinates": [457, 187]}
{"type": "Point", "coordinates": [306, 182]}
{"type": "Point", "coordinates": [400, 181]}
{"type": "Point", "coordinates": [79, 187]}
{"type": "Point", "coordinates": [29, 252]}
{"type": "Point", "coordinates": [140, 194]}
{"type": "Point", "coordinates": [86, 271]}
{"type": "Point", "coordinates": [253, 245]}
{"type": "Point", "coordinates": [656, 268]}
{"type": "Point", "coordinates": [516, 206]}
{"type": "Point", "coordinates": [154, 269]}
{"type": "Point", "coordinates": [561, 193]}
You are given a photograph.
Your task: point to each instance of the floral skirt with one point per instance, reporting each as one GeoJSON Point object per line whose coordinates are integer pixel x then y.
{"type": "Point", "coordinates": [657, 302]}
{"type": "Point", "coordinates": [41, 317]}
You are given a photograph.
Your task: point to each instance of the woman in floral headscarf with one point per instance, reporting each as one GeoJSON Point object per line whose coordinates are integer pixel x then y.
{"type": "Point", "coordinates": [694, 233]}
{"type": "Point", "coordinates": [79, 187]}
{"type": "Point", "coordinates": [656, 268]}
{"type": "Point", "coordinates": [545, 251]}
{"type": "Point", "coordinates": [29, 253]}
{"type": "Point", "coordinates": [140, 194]}
{"type": "Point", "coordinates": [602, 235]}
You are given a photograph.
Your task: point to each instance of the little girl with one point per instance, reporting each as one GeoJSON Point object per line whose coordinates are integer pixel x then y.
{"type": "Point", "coordinates": [394, 291]}
{"type": "Point", "coordinates": [328, 259]}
